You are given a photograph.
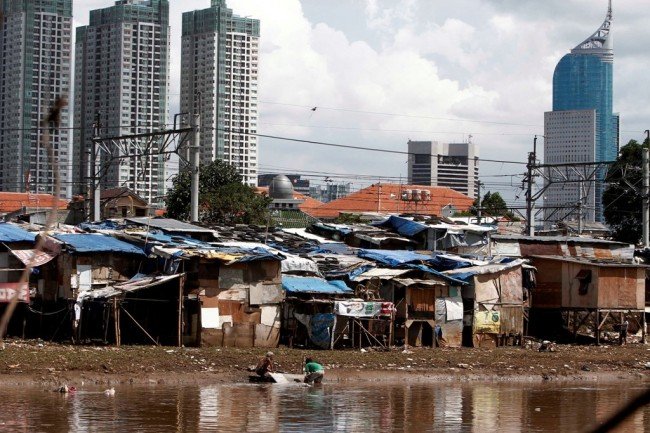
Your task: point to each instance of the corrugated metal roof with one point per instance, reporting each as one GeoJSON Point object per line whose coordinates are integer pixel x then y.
{"type": "Point", "coordinates": [134, 284]}
{"type": "Point", "coordinates": [169, 225]}
{"type": "Point", "coordinates": [13, 233]}
{"type": "Point", "coordinates": [556, 239]}
{"type": "Point", "coordinates": [97, 243]}
{"type": "Point", "coordinates": [610, 264]}
{"type": "Point", "coordinates": [465, 273]}
{"type": "Point", "coordinates": [315, 285]}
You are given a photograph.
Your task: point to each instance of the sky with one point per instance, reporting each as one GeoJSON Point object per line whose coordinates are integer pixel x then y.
{"type": "Point", "coordinates": [382, 72]}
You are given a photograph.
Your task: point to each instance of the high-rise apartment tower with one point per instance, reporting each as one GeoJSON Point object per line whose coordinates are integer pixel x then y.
{"type": "Point", "coordinates": [219, 65]}
{"type": "Point", "coordinates": [122, 70]}
{"type": "Point", "coordinates": [35, 41]}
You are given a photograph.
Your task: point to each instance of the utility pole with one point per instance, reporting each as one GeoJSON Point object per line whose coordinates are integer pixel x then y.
{"type": "Point", "coordinates": [478, 210]}
{"type": "Point", "coordinates": [646, 190]}
{"type": "Point", "coordinates": [194, 166]}
{"type": "Point", "coordinates": [530, 203]}
{"type": "Point", "coordinates": [96, 167]}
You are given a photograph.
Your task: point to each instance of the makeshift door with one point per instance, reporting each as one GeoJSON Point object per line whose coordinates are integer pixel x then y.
{"type": "Point", "coordinates": [85, 273]}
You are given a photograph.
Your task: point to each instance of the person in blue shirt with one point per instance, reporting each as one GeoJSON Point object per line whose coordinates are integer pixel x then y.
{"type": "Point", "coordinates": [314, 371]}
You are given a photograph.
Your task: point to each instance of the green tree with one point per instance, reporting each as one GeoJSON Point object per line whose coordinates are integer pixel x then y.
{"type": "Point", "coordinates": [622, 198]}
{"type": "Point", "coordinates": [494, 205]}
{"type": "Point", "coordinates": [223, 198]}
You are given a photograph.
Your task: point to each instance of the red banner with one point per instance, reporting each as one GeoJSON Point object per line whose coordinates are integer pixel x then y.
{"type": "Point", "coordinates": [8, 291]}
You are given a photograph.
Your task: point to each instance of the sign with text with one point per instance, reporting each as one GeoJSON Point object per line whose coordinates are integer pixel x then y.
{"type": "Point", "coordinates": [8, 291]}
{"type": "Point", "coordinates": [363, 309]}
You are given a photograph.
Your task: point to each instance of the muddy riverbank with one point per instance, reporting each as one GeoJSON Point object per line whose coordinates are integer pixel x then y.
{"type": "Point", "coordinates": [33, 362]}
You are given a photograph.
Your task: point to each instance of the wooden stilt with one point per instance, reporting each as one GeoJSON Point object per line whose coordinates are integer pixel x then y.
{"type": "Point", "coordinates": [643, 327]}
{"type": "Point", "coordinates": [116, 320]}
{"type": "Point", "coordinates": [180, 312]}
{"type": "Point", "coordinates": [597, 327]}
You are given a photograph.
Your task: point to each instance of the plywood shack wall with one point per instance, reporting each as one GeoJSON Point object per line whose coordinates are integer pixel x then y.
{"type": "Point", "coordinates": [611, 286]}
{"type": "Point", "coordinates": [240, 303]}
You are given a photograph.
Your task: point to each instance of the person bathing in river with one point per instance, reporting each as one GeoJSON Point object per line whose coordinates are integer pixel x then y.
{"type": "Point", "coordinates": [265, 366]}
{"type": "Point", "coordinates": [314, 371]}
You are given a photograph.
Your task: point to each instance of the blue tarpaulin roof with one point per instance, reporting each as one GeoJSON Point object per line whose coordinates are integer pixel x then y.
{"type": "Point", "coordinates": [94, 243]}
{"type": "Point", "coordinates": [12, 233]}
{"type": "Point", "coordinates": [446, 263]}
{"type": "Point", "coordinates": [394, 257]}
{"type": "Point", "coordinates": [314, 285]}
{"type": "Point", "coordinates": [403, 226]}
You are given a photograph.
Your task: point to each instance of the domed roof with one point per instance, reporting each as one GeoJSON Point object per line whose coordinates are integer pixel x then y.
{"type": "Point", "coordinates": [281, 188]}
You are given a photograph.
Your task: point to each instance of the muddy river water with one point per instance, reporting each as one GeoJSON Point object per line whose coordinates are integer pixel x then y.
{"type": "Point", "coordinates": [448, 407]}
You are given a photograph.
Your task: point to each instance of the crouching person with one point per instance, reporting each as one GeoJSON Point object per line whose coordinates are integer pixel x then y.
{"type": "Point", "coordinates": [314, 371]}
{"type": "Point", "coordinates": [265, 366]}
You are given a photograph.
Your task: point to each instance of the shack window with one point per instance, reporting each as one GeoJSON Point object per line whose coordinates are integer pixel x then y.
{"type": "Point", "coordinates": [584, 276]}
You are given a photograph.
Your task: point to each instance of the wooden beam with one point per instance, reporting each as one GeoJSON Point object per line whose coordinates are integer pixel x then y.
{"type": "Point", "coordinates": [600, 326]}
{"type": "Point", "coordinates": [139, 326]}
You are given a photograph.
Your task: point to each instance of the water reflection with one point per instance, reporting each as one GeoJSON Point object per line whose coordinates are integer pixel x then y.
{"type": "Point", "coordinates": [476, 407]}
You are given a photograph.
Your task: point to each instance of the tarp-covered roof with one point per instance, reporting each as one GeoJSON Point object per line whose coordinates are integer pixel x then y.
{"type": "Point", "coordinates": [13, 233]}
{"type": "Point", "coordinates": [403, 226]}
{"type": "Point", "coordinates": [315, 285]}
{"type": "Point", "coordinates": [169, 225]}
{"type": "Point", "coordinates": [466, 274]}
{"type": "Point", "coordinates": [394, 257]}
{"type": "Point", "coordinates": [97, 243]}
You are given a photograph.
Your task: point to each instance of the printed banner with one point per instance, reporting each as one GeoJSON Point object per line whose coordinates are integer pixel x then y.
{"type": "Point", "coordinates": [488, 322]}
{"type": "Point", "coordinates": [8, 291]}
{"type": "Point", "coordinates": [363, 309]}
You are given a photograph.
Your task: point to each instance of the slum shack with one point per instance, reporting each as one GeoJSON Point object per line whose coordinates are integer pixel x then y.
{"type": "Point", "coordinates": [589, 296]}
{"type": "Point", "coordinates": [86, 262]}
{"type": "Point", "coordinates": [440, 234]}
{"type": "Point", "coordinates": [90, 261]}
{"type": "Point", "coordinates": [327, 315]}
{"type": "Point", "coordinates": [428, 307]}
{"type": "Point", "coordinates": [559, 246]}
{"type": "Point", "coordinates": [147, 309]}
{"type": "Point", "coordinates": [494, 303]}
{"type": "Point", "coordinates": [16, 252]}
{"type": "Point", "coordinates": [239, 289]}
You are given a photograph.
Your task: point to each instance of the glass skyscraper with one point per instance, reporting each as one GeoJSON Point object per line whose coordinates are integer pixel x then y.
{"type": "Point", "coordinates": [583, 82]}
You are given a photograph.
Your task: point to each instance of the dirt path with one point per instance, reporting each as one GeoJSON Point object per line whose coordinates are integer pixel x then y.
{"type": "Point", "coordinates": [24, 362]}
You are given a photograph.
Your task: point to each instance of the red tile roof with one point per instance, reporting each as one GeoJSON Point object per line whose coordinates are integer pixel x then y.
{"type": "Point", "coordinates": [387, 198]}
{"type": "Point", "coordinates": [13, 201]}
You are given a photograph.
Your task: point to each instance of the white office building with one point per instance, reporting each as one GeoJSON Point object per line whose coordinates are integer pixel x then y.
{"type": "Point", "coordinates": [570, 137]}
{"type": "Point", "coordinates": [454, 165]}
{"type": "Point", "coordinates": [122, 67]}
{"type": "Point", "coordinates": [35, 42]}
{"type": "Point", "coordinates": [219, 67]}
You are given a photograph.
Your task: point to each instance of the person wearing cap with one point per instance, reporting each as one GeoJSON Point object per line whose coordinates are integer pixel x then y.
{"type": "Point", "coordinates": [265, 366]}
{"type": "Point", "coordinates": [314, 371]}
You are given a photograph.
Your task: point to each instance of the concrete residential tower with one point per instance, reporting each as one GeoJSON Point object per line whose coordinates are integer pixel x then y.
{"type": "Point", "coordinates": [35, 43]}
{"type": "Point", "coordinates": [582, 126]}
{"type": "Point", "coordinates": [219, 64]}
{"type": "Point", "coordinates": [454, 165]}
{"type": "Point", "coordinates": [122, 70]}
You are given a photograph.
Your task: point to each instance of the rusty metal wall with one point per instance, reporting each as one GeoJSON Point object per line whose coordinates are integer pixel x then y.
{"type": "Point", "coordinates": [512, 319]}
